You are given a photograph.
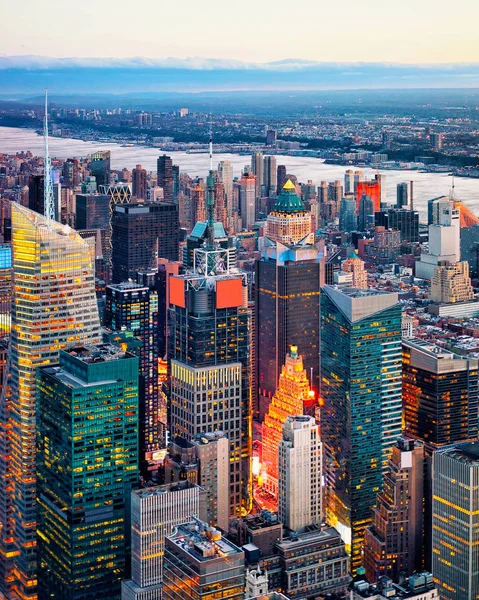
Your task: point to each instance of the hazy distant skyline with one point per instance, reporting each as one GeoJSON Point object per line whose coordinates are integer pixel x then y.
{"type": "Point", "coordinates": [412, 31]}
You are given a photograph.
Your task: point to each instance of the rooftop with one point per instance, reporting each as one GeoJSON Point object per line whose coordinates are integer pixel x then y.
{"type": "Point", "coordinates": [467, 453]}
{"type": "Point", "coordinates": [202, 542]}
{"type": "Point", "coordinates": [95, 353]}
{"type": "Point", "coordinates": [158, 490]}
{"type": "Point", "coordinates": [288, 201]}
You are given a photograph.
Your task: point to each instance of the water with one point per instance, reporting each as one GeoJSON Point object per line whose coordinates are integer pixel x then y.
{"type": "Point", "coordinates": [426, 185]}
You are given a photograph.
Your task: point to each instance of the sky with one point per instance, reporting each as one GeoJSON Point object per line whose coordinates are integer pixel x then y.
{"type": "Point", "coordinates": [408, 31]}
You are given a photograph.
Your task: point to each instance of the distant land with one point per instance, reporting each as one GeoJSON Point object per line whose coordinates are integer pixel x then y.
{"type": "Point", "coordinates": [28, 75]}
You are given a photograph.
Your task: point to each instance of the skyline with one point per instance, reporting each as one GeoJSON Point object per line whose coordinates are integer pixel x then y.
{"type": "Point", "coordinates": [331, 32]}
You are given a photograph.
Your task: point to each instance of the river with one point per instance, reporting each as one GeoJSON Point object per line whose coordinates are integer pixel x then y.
{"type": "Point", "coordinates": [426, 185]}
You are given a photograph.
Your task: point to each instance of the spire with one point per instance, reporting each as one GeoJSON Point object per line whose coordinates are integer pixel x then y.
{"type": "Point", "coordinates": [288, 201]}
{"type": "Point", "coordinates": [210, 192]}
{"type": "Point", "coordinates": [48, 200]}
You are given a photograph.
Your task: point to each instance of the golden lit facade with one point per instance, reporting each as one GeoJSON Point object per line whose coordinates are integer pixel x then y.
{"type": "Point", "coordinates": [451, 283]}
{"type": "Point", "coordinates": [293, 391]}
{"type": "Point", "coordinates": [54, 306]}
{"type": "Point", "coordinates": [289, 222]}
{"type": "Point", "coordinates": [360, 275]}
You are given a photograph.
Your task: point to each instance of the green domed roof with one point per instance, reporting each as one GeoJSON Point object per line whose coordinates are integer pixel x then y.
{"type": "Point", "coordinates": [289, 201]}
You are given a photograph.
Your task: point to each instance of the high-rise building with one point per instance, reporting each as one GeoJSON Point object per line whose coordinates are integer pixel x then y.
{"type": "Point", "coordinates": [300, 474]}
{"type": "Point", "coordinates": [221, 215]}
{"type": "Point", "coordinates": [386, 246]}
{"type": "Point", "coordinates": [287, 290]}
{"type": "Point", "coordinates": [270, 175]}
{"type": "Point", "coordinates": [402, 195]}
{"type": "Point", "coordinates": [257, 170]}
{"type": "Point", "coordinates": [361, 416]}
{"type": "Point", "coordinates": [349, 182]}
{"type": "Point", "coordinates": [393, 543]}
{"type": "Point", "coordinates": [142, 233]}
{"type": "Point", "coordinates": [289, 222]}
{"type": "Point", "coordinates": [198, 557]}
{"type": "Point", "coordinates": [209, 354]}
{"type": "Point", "coordinates": [134, 307]}
{"type": "Point", "coordinates": [213, 454]}
{"type": "Point", "coordinates": [175, 172]}
{"type": "Point", "coordinates": [355, 265]}
{"type": "Point", "coordinates": [291, 398]}
{"type": "Point", "coordinates": [54, 306]}
{"type": "Point", "coordinates": [348, 220]}
{"type": "Point", "coordinates": [155, 512]}
{"type": "Point", "coordinates": [36, 193]}
{"type": "Point", "coordinates": [87, 464]}
{"type": "Point", "coordinates": [199, 204]}
{"type": "Point", "coordinates": [93, 211]}
{"type": "Point", "coordinates": [248, 201]}
{"type": "Point", "coordinates": [401, 219]}
{"type": "Point", "coordinates": [371, 189]}
{"type": "Point", "coordinates": [455, 522]}
{"type": "Point", "coordinates": [165, 176]}
{"type": "Point", "coordinates": [451, 283]}
{"type": "Point", "coordinates": [140, 184]}
{"type": "Point", "coordinates": [6, 291]}
{"type": "Point", "coordinates": [436, 142]}
{"type": "Point", "coordinates": [225, 174]}
{"type": "Point", "coordinates": [281, 178]}
{"type": "Point", "coordinates": [366, 213]}
{"type": "Point", "coordinates": [99, 166]}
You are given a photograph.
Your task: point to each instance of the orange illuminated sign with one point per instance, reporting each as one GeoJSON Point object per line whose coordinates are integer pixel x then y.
{"type": "Point", "coordinates": [229, 293]}
{"type": "Point", "coordinates": [177, 292]}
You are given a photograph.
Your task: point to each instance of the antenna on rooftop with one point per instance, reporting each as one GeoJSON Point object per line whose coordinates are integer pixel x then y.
{"type": "Point", "coordinates": [48, 199]}
{"type": "Point", "coordinates": [210, 193]}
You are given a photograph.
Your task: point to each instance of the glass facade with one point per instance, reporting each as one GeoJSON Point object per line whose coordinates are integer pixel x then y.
{"type": "Point", "coordinates": [54, 306]}
{"type": "Point", "coordinates": [87, 465]}
{"type": "Point", "coordinates": [361, 416]}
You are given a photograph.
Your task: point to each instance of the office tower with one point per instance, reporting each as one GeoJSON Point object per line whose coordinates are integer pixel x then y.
{"type": "Point", "coordinates": [451, 283]}
{"type": "Point", "coordinates": [220, 204]}
{"type": "Point", "coordinates": [355, 265]}
{"type": "Point", "coordinates": [371, 189]}
{"type": "Point", "coordinates": [140, 184]}
{"type": "Point", "coordinates": [270, 175]}
{"type": "Point", "coordinates": [134, 307]}
{"type": "Point", "coordinates": [120, 193]}
{"type": "Point", "coordinates": [257, 170]}
{"type": "Point", "coordinates": [70, 173]}
{"type": "Point", "coordinates": [165, 176]}
{"type": "Point", "coordinates": [142, 233]}
{"type": "Point", "coordinates": [99, 166]}
{"type": "Point", "coordinates": [287, 290]}
{"type": "Point", "coordinates": [93, 211]}
{"type": "Point", "coordinates": [199, 205]}
{"type": "Point", "coordinates": [361, 416]}
{"type": "Point", "coordinates": [455, 522]}
{"type": "Point", "coordinates": [381, 179]}
{"type": "Point", "coordinates": [444, 237]}
{"type": "Point", "coordinates": [349, 182]}
{"type": "Point", "coordinates": [281, 178]}
{"type": "Point", "coordinates": [271, 137]}
{"type": "Point", "coordinates": [293, 397]}
{"type": "Point", "coordinates": [300, 474]}
{"type": "Point", "coordinates": [323, 191]}
{"type": "Point", "coordinates": [289, 222]}
{"type": "Point", "coordinates": [175, 172]}
{"type": "Point", "coordinates": [213, 454]}
{"type": "Point", "coordinates": [348, 220]}
{"type": "Point", "coordinates": [198, 557]}
{"type": "Point", "coordinates": [393, 543]}
{"type": "Point", "coordinates": [89, 185]}
{"type": "Point", "coordinates": [335, 193]}
{"type": "Point", "coordinates": [401, 219]}
{"type": "Point", "coordinates": [366, 213]}
{"type": "Point", "coordinates": [36, 193]}
{"type": "Point", "coordinates": [209, 354]}
{"type": "Point", "coordinates": [165, 269]}
{"type": "Point", "coordinates": [6, 291]}
{"type": "Point", "coordinates": [248, 201]}
{"type": "Point", "coordinates": [54, 306]}
{"type": "Point", "coordinates": [85, 472]}
{"type": "Point", "coordinates": [436, 142]}
{"type": "Point", "coordinates": [358, 178]}
{"type": "Point", "coordinates": [440, 395]}
{"type": "Point", "coordinates": [180, 463]}
{"type": "Point", "coordinates": [155, 512]}
{"type": "Point", "coordinates": [225, 174]}
{"type": "Point", "coordinates": [402, 199]}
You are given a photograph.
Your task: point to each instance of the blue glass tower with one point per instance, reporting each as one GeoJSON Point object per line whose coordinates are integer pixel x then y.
{"type": "Point", "coordinates": [361, 417]}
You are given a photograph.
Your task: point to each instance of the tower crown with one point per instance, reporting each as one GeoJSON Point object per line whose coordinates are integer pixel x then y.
{"type": "Point", "coordinates": [289, 201]}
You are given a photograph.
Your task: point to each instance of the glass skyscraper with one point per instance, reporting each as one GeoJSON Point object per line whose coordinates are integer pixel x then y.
{"type": "Point", "coordinates": [361, 416]}
{"type": "Point", "coordinates": [87, 466]}
{"type": "Point", "coordinates": [54, 306]}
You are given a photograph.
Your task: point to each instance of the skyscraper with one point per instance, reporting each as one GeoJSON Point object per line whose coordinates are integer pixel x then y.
{"type": "Point", "coordinates": [248, 201]}
{"type": "Point", "coordinates": [140, 184]}
{"type": "Point", "coordinates": [393, 543]}
{"type": "Point", "coordinates": [270, 175]}
{"type": "Point", "coordinates": [54, 306]}
{"type": "Point", "coordinates": [402, 200]}
{"type": "Point", "coordinates": [142, 233]}
{"type": "Point", "coordinates": [300, 474]}
{"type": "Point", "coordinates": [257, 170]}
{"type": "Point", "coordinates": [280, 178]}
{"type": "Point", "coordinates": [135, 307]}
{"type": "Point", "coordinates": [348, 220]}
{"type": "Point", "coordinates": [225, 174]}
{"type": "Point", "coordinates": [451, 283]}
{"type": "Point", "coordinates": [361, 416]}
{"type": "Point", "coordinates": [288, 280]}
{"type": "Point", "coordinates": [349, 182]}
{"type": "Point", "coordinates": [355, 265]}
{"type": "Point", "coordinates": [155, 512]}
{"type": "Point", "coordinates": [371, 189]}
{"type": "Point", "coordinates": [209, 354]}
{"type": "Point", "coordinates": [99, 166]}
{"type": "Point", "coordinates": [402, 219]}
{"type": "Point", "coordinates": [291, 398]}
{"type": "Point", "coordinates": [93, 212]}
{"type": "Point", "coordinates": [289, 222]}
{"type": "Point", "coordinates": [455, 522]}
{"type": "Point", "coordinates": [87, 464]}
{"type": "Point", "coordinates": [165, 176]}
